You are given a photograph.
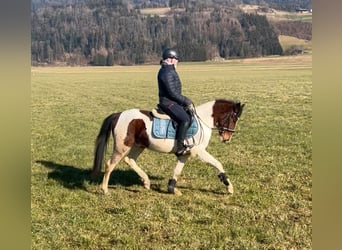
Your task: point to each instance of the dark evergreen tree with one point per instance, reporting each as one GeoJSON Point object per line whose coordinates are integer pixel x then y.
{"type": "Point", "coordinates": [108, 32]}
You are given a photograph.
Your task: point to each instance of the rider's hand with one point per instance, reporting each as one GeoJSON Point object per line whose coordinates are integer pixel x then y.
{"type": "Point", "coordinates": [191, 108]}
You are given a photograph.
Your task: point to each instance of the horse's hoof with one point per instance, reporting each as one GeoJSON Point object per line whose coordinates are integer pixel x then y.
{"type": "Point", "coordinates": [104, 191]}
{"type": "Point", "coordinates": [230, 189]}
{"type": "Point", "coordinates": [177, 192]}
{"type": "Point", "coordinates": [147, 186]}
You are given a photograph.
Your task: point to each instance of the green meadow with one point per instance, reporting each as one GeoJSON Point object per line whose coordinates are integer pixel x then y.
{"type": "Point", "coordinates": [269, 161]}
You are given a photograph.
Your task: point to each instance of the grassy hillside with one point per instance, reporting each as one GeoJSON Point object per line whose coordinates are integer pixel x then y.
{"type": "Point", "coordinates": [288, 42]}
{"type": "Point", "coordinates": [271, 14]}
{"type": "Point", "coordinates": [276, 15]}
{"type": "Point", "coordinates": [269, 161]}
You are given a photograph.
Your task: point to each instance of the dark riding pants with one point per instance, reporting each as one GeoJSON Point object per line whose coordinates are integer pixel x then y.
{"type": "Point", "coordinates": [177, 113]}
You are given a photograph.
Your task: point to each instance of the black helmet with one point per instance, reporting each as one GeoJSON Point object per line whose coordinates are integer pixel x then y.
{"type": "Point", "coordinates": [169, 53]}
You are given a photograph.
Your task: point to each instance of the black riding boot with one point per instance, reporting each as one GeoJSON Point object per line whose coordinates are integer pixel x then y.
{"type": "Point", "coordinates": [180, 137]}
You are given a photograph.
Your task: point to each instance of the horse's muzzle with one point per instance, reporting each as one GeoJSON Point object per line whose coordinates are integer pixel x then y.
{"type": "Point", "coordinates": [226, 134]}
{"type": "Point", "coordinates": [225, 138]}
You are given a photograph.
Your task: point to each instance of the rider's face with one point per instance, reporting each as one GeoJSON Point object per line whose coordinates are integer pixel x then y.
{"type": "Point", "coordinates": [172, 61]}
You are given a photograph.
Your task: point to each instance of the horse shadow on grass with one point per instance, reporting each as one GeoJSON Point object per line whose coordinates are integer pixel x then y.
{"type": "Point", "coordinates": [72, 177]}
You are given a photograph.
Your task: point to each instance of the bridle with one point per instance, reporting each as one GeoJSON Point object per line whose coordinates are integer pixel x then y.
{"type": "Point", "coordinates": [226, 120]}
{"type": "Point", "coordinates": [221, 129]}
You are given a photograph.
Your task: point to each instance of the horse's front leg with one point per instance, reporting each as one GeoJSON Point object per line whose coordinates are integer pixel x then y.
{"type": "Point", "coordinates": [206, 157]}
{"type": "Point", "coordinates": [176, 173]}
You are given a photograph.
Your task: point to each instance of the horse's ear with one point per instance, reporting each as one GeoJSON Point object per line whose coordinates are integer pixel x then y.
{"type": "Point", "coordinates": [239, 108]}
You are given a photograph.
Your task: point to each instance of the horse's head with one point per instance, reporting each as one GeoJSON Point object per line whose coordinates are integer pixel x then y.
{"type": "Point", "coordinates": [226, 115]}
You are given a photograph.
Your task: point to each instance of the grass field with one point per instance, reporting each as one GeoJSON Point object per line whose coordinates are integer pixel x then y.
{"type": "Point", "coordinates": [269, 161]}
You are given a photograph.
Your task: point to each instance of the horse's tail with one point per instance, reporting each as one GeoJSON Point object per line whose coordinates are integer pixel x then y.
{"type": "Point", "coordinates": [101, 143]}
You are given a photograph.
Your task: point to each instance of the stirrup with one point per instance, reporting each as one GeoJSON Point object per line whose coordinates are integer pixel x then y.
{"type": "Point", "coordinates": [183, 151]}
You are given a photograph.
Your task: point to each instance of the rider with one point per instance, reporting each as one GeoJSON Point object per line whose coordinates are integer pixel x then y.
{"type": "Point", "coordinates": [171, 100]}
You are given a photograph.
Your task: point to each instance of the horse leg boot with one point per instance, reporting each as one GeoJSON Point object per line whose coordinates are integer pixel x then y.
{"type": "Point", "coordinates": [223, 178]}
{"type": "Point", "coordinates": [180, 137]}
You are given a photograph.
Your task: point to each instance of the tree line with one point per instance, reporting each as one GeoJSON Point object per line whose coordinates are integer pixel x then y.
{"type": "Point", "coordinates": [288, 5]}
{"type": "Point", "coordinates": [105, 32]}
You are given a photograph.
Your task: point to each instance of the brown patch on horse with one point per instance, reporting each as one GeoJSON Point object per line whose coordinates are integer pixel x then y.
{"type": "Point", "coordinates": [221, 107]}
{"type": "Point", "coordinates": [147, 113]}
{"type": "Point", "coordinates": [136, 134]}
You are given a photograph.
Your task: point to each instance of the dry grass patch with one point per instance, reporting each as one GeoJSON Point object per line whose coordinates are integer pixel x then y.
{"type": "Point", "coordinates": [289, 41]}
{"type": "Point", "coordinates": [155, 11]}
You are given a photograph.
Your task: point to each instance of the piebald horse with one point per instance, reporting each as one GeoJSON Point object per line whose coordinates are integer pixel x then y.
{"type": "Point", "coordinates": [132, 133]}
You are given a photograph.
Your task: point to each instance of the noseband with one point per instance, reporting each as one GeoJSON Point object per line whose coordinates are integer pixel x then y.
{"type": "Point", "coordinates": [224, 129]}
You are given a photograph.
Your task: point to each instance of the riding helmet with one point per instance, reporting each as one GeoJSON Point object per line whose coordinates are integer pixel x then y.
{"type": "Point", "coordinates": [169, 53]}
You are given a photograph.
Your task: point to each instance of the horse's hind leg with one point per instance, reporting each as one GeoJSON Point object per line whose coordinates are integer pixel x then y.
{"type": "Point", "coordinates": [131, 158]}
{"type": "Point", "coordinates": [110, 165]}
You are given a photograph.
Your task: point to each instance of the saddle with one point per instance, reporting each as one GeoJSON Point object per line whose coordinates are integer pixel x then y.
{"type": "Point", "coordinates": [164, 127]}
{"type": "Point", "coordinates": [158, 113]}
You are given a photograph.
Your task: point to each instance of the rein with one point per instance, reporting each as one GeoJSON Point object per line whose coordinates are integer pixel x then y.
{"type": "Point", "coordinates": [220, 129]}
{"type": "Point", "coordinates": [196, 116]}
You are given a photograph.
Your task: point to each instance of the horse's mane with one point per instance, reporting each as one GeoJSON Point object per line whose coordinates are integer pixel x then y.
{"type": "Point", "coordinates": [224, 101]}
{"type": "Point", "coordinates": [223, 106]}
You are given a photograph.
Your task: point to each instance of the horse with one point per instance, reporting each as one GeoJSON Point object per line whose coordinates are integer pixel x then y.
{"type": "Point", "coordinates": [132, 133]}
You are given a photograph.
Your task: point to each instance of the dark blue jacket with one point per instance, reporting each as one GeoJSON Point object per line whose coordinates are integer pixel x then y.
{"type": "Point", "coordinates": [170, 87]}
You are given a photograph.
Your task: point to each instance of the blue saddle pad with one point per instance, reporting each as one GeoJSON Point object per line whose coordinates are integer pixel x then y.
{"type": "Point", "coordinates": [163, 129]}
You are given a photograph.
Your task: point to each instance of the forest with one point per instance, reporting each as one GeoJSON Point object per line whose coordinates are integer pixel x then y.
{"type": "Point", "coordinates": [108, 32]}
{"type": "Point", "coordinates": [287, 5]}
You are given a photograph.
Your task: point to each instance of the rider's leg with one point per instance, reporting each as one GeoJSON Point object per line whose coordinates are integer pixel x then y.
{"type": "Point", "coordinates": [180, 137]}
{"type": "Point", "coordinates": [183, 119]}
